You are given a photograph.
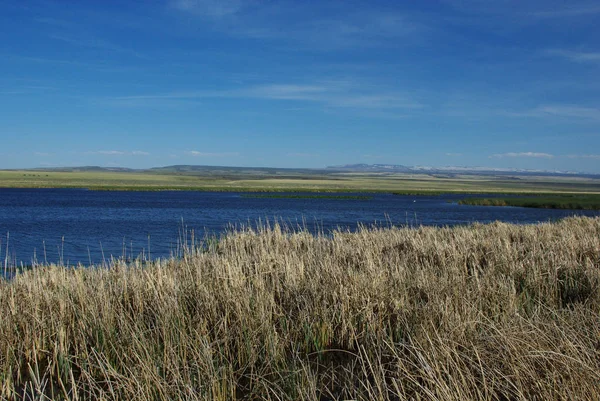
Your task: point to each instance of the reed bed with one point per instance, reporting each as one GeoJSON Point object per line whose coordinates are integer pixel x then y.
{"type": "Point", "coordinates": [480, 312]}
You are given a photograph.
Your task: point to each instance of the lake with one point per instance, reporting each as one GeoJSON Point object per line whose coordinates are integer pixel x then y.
{"type": "Point", "coordinates": [82, 226]}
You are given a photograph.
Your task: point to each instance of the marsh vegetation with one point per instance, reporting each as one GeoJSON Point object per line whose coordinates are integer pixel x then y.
{"type": "Point", "coordinates": [552, 201]}
{"type": "Point", "coordinates": [488, 312]}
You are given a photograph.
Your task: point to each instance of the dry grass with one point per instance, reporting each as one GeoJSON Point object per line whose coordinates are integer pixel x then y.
{"type": "Point", "coordinates": [486, 312]}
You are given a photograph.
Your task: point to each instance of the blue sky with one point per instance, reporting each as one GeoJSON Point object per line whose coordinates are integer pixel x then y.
{"type": "Point", "coordinates": [300, 83]}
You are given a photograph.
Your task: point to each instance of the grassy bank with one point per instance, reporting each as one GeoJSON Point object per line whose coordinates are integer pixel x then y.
{"type": "Point", "coordinates": [580, 202]}
{"type": "Point", "coordinates": [489, 312]}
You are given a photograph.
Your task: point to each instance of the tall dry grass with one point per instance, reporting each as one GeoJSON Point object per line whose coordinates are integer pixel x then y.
{"type": "Point", "coordinates": [486, 312]}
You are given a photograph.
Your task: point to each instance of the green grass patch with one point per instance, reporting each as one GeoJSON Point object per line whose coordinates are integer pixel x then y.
{"type": "Point", "coordinates": [571, 201]}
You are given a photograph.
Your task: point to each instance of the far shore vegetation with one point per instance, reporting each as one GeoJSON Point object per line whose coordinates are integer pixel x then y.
{"type": "Point", "coordinates": [570, 201]}
{"type": "Point", "coordinates": [307, 196]}
{"type": "Point", "coordinates": [479, 312]}
{"type": "Point", "coordinates": [272, 180]}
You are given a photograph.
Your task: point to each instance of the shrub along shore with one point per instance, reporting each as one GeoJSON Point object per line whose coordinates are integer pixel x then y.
{"type": "Point", "coordinates": [485, 312]}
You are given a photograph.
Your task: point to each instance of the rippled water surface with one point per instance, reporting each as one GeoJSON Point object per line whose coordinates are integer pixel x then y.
{"type": "Point", "coordinates": [83, 226]}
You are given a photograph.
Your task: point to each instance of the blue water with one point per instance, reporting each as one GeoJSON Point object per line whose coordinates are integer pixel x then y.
{"type": "Point", "coordinates": [79, 226]}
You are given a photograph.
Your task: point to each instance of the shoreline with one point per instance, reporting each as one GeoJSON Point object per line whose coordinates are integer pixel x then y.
{"type": "Point", "coordinates": [366, 190]}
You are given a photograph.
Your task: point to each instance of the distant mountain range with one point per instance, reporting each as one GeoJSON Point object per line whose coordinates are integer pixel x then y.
{"type": "Point", "coordinates": [225, 171]}
{"type": "Point", "coordinates": [379, 168]}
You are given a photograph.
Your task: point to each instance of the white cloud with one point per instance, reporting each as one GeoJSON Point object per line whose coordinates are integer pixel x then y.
{"type": "Point", "coordinates": [375, 101]}
{"type": "Point", "coordinates": [109, 152]}
{"type": "Point", "coordinates": [209, 8]}
{"type": "Point", "coordinates": [329, 94]}
{"type": "Point", "coordinates": [522, 154]}
{"type": "Point", "coordinates": [571, 111]}
{"type": "Point", "coordinates": [119, 153]}
{"type": "Point", "coordinates": [94, 43]}
{"type": "Point", "coordinates": [196, 153]}
{"type": "Point", "coordinates": [569, 9]}
{"type": "Point", "coordinates": [303, 154]}
{"type": "Point", "coordinates": [454, 154]}
{"type": "Point", "coordinates": [530, 10]}
{"type": "Point", "coordinates": [300, 22]}
{"type": "Point", "coordinates": [576, 56]}
{"type": "Point", "coordinates": [595, 157]}
{"type": "Point", "coordinates": [282, 92]}
{"type": "Point", "coordinates": [561, 111]}
{"type": "Point", "coordinates": [366, 29]}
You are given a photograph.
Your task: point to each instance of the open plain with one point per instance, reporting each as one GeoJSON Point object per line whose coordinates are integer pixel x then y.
{"type": "Point", "coordinates": [248, 179]}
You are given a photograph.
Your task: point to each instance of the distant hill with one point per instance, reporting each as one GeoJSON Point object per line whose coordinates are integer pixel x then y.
{"type": "Point", "coordinates": [330, 171]}
{"type": "Point", "coordinates": [85, 168]}
{"type": "Point", "coordinates": [452, 170]}
{"type": "Point", "coordinates": [397, 168]}
{"type": "Point", "coordinates": [186, 168]}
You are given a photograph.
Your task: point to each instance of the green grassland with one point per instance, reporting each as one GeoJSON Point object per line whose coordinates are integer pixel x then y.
{"type": "Point", "coordinates": [272, 180]}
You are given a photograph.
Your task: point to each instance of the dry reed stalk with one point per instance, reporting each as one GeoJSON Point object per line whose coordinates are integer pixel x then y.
{"type": "Point", "coordinates": [486, 312]}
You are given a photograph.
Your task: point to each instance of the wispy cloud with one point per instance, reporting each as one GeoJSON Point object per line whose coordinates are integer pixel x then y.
{"type": "Point", "coordinates": [97, 65]}
{"type": "Point", "coordinates": [210, 8]}
{"type": "Point", "coordinates": [119, 153]}
{"type": "Point", "coordinates": [571, 111]}
{"type": "Point", "coordinates": [371, 156]}
{"type": "Point", "coordinates": [376, 101]}
{"type": "Point", "coordinates": [522, 154]}
{"type": "Point", "coordinates": [53, 21]}
{"type": "Point", "coordinates": [336, 95]}
{"type": "Point", "coordinates": [95, 43]}
{"type": "Point", "coordinates": [333, 95]}
{"type": "Point", "coordinates": [196, 153]}
{"type": "Point", "coordinates": [12, 92]}
{"type": "Point", "coordinates": [576, 56]}
{"type": "Point", "coordinates": [568, 9]}
{"type": "Point", "coordinates": [109, 152]}
{"type": "Point", "coordinates": [283, 91]}
{"type": "Point", "coordinates": [562, 111]}
{"type": "Point", "coordinates": [544, 9]}
{"type": "Point", "coordinates": [304, 24]}
{"type": "Point", "coordinates": [303, 154]}
{"type": "Point", "coordinates": [453, 154]}
{"type": "Point", "coordinates": [595, 157]}
{"type": "Point", "coordinates": [368, 29]}
{"type": "Point", "coordinates": [44, 60]}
